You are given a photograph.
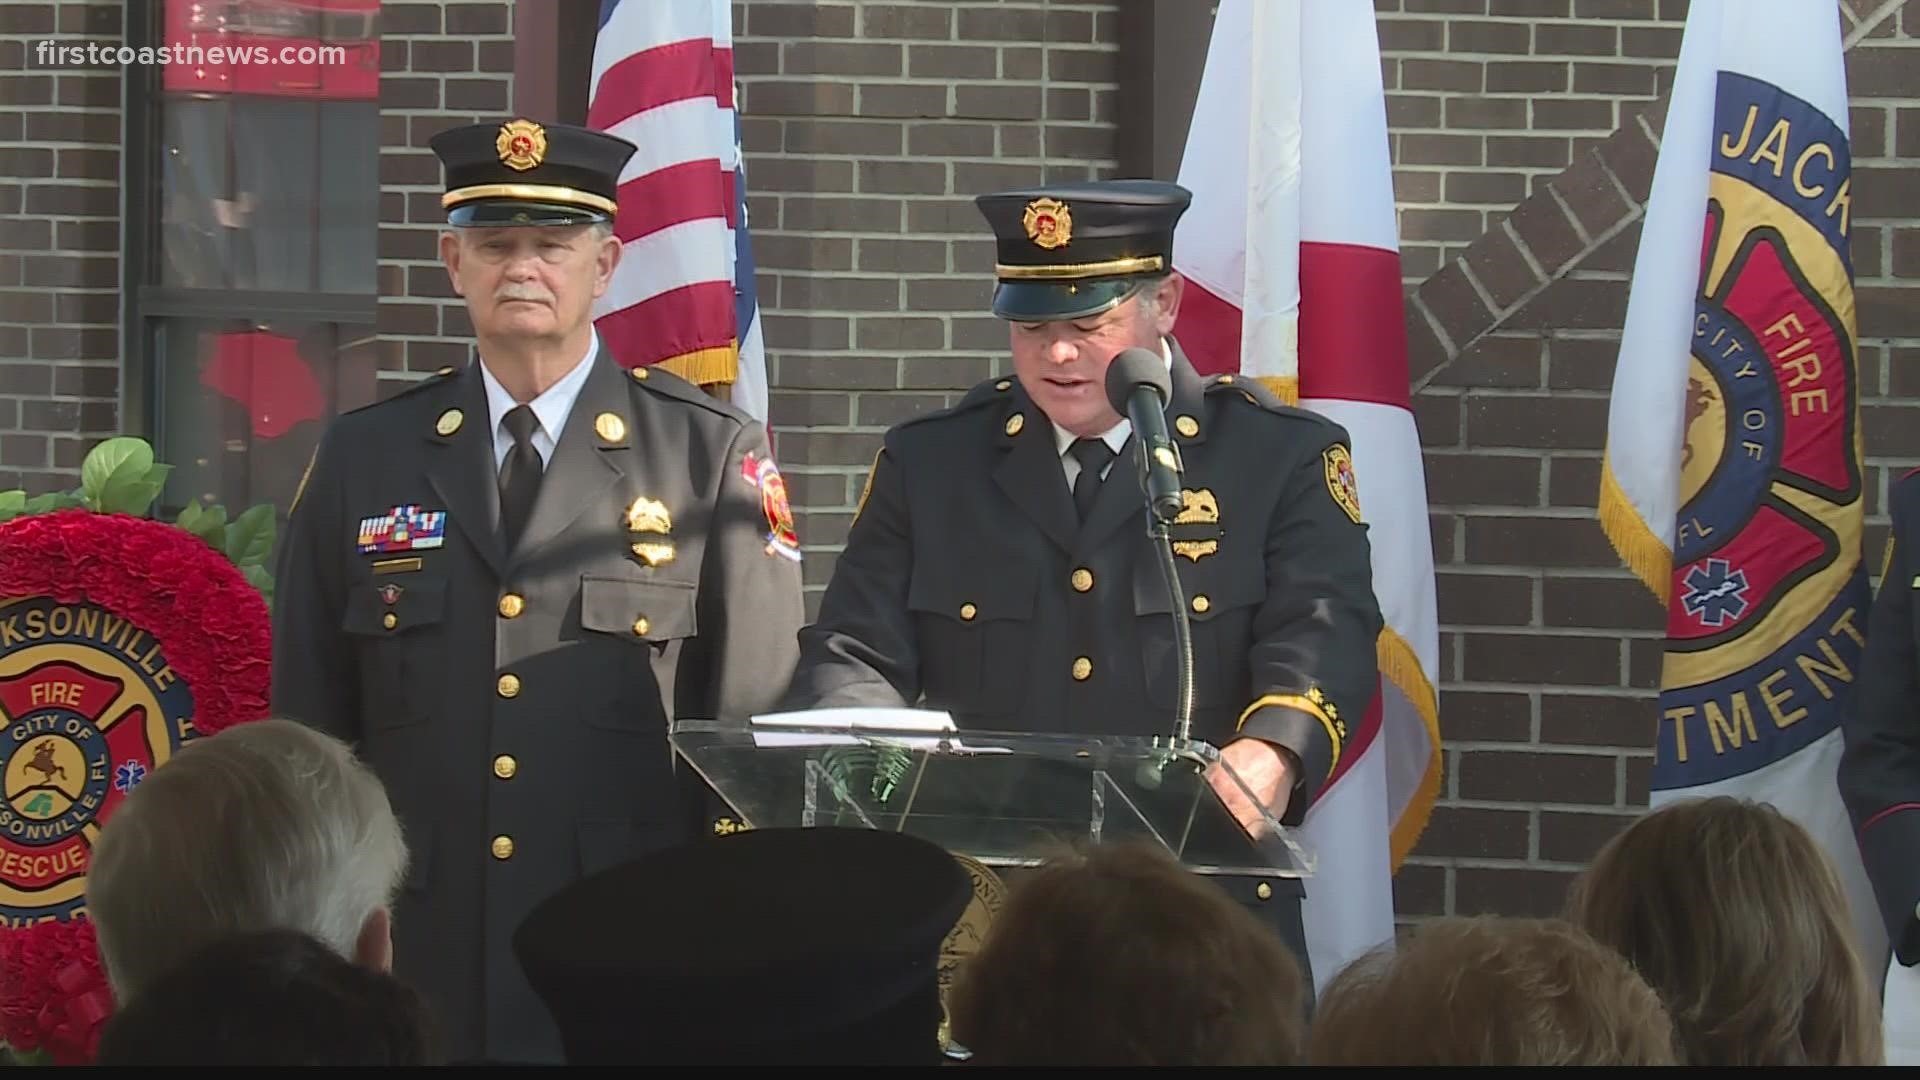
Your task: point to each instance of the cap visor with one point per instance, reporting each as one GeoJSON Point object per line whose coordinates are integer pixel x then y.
{"type": "Point", "coordinates": [1041, 301]}
{"type": "Point", "coordinates": [499, 212]}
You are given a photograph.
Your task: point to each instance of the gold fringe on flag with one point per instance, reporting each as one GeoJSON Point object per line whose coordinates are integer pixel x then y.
{"type": "Point", "coordinates": [718, 366]}
{"type": "Point", "coordinates": [1284, 387]}
{"type": "Point", "coordinates": [1401, 666]}
{"type": "Point", "coordinates": [1644, 553]}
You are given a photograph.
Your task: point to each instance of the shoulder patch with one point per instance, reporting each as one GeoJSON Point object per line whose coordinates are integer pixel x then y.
{"type": "Point", "coordinates": [1341, 482]}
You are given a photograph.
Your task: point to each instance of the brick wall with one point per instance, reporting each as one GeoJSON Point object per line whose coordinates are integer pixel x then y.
{"type": "Point", "coordinates": [1488, 99]}
{"type": "Point", "coordinates": [441, 64]}
{"type": "Point", "coordinates": [59, 243]}
{"type": "Point", "coordinates": [1550, 651]}
{"type": "Point", "coordinates": [868, 128]}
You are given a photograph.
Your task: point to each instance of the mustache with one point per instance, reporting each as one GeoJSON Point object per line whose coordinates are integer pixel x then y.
{"type": "Point", "coordinates": [523, 292]}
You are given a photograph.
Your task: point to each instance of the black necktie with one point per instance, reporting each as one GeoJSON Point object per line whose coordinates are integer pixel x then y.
{"type": "Point", "coordinates": [519, 474]}
{"type": "Point", "coordinates": [1093, 456]}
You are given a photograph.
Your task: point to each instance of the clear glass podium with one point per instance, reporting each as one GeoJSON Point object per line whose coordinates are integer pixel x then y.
{"type": "Point", "coordinates": [1004, 799]}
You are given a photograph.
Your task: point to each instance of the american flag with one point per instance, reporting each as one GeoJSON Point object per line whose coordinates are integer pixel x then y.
{"type": "Point", "coordinates": [683, 295]}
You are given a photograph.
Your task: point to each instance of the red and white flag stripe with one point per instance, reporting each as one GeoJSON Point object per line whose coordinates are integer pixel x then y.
{"type": "Point", "coordinates": [1292, 256]}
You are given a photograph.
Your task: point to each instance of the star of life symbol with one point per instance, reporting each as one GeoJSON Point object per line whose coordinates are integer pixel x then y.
{"type": "Point", "coordinates": [1715, 592]}
{"type": "Point", "coordinates": [128, 775]}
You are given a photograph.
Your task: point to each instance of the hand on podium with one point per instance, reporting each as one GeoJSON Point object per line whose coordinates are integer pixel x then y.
{"type": "Point", "coordinates": [1265, 770]}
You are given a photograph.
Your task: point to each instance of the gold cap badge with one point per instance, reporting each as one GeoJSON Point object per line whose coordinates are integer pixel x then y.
{"type": "Point", "coordinates": [522, 144]}
{"type": "Point", "coordinates": [1049, 223]}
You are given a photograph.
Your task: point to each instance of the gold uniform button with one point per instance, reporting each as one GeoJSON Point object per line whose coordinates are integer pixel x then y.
{"type": "Point", "coordinates": [449, 422]}
{"type": "Point", "coordinates": [503, 848]}
{"type": "Point", "coordinates": [1201, 604]}
{"type": "Point", "coordinates": [1015, 423]}
{"type": "Point", "coordinates": [640, 374]}
{"type": "Point", "coordinates": [504, 766]}
{"type": "Point", "coordinates": [1082, 580]}
{"type": "Point", "coordinates": [1003, 385]}
{"type": "Point", "coordinates": [1082, 669]}
{"type": "Point", "coordinates": [1264, 891]}
{"type": "Point", "coordinates": [641, 626]}
{"type": "Point", "coordinates": [511, 605]}
{"type": "Point", "coordinates": [509, 686]}
{"type": "Point", "coordinates": [389, 620]}
{"type": "Point", "coordinates": [967, 612]}
{"type": "Point", "coordinates": [1187, 426]}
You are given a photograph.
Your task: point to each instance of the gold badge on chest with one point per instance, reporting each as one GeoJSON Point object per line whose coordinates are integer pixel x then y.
{"type": "Point", "coordinates": [1196, 529]}
{"type": "Point", "coordinates": [650, 524]}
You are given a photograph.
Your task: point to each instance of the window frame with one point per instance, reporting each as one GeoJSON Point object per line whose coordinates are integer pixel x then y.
{"type": "Point", "coordinates": [146, 304]}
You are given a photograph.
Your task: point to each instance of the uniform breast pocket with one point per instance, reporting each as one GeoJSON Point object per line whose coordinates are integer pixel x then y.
{"type": "Point", "coordinates": [975, 636]}
{"type": "Point", "coordinates": [629, 623]}
{"type": "Point", "coordinates": [398, 628]}
{"type": "Point", "coordinates": [1221, 602]}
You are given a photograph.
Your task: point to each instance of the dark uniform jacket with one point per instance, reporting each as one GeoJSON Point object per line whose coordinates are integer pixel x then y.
{"type": "Point", "coordinates": [516, 703]}
{"type": "Point", "coordinates": [969, 585]}
{"type": "Point", "coordinates": [1880, 771]}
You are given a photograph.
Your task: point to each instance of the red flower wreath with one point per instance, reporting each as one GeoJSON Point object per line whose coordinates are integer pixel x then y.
{"type": "Point", "coordinates": [211, 622]}
{"type": "Point", "coordinates": [215, 630]}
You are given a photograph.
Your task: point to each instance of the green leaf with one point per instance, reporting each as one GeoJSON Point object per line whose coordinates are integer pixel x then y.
{"type": "Point", "coordinates": [250, 537]}
{"type": "Point", "coordinates": [51, 501]}
{"type": "Point", "coordinates": [189, 514]}
{"type": "Point", "coordinates": [128, 457]}
{"type": "Point", "coordinates": [12, 504]}
{"type": "Point", "coordinates": [260, 578]}
{"type": "Point", "coordinates": [127, 494]}
{"type": "Point", "coordinates": [211, 526]}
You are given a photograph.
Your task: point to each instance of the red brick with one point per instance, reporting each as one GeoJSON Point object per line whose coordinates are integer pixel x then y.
{"type": "Point", "coordinates": [1530, 658]}
{"type": "Point", "coordinates": [1537, 777]}
{"type": "Point", "coordinates": [1506, 275]}
{"type": "Point", "coordinates": [1538, 541]}
{"type": "Point", "coordinates": [1484, 599]}
{"type": "Point", "coordinates": [1475, 833]}
{"type": "Point", "coordinates": [1573, 481]}
{"type": "Point", "coordinates": [1576, 838]}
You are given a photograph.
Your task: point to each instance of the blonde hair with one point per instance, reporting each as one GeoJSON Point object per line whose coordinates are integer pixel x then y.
{"type": "Point", "coordinates": [1736, 916]}
{"type": "Point", "coordinates": [270, 825]}
{"type": "Point", "coordinates": [1485, 990]}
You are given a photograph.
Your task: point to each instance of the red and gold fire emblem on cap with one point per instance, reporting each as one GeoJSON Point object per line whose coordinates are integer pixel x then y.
{"type": "Point", "coordinates": [1049, 223]}
{"type": "Point", "coordinates": [522, 144]}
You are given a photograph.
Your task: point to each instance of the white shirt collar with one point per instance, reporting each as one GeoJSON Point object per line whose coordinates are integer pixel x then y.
{"type": "Point", "coordinates": [550, 408]}
{"type": "Point", "coordinates": [1116, 436]}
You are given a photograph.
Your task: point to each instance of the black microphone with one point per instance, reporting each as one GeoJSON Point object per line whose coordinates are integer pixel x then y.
{"type": "Point", "coordinates": [1139, 387]}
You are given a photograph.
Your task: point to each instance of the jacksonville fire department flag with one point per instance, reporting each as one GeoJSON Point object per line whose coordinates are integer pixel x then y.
{"type": "Point", "coordinates": [1292, 258]}
{"type": "Point", "coordinates": [1732, 482]}
{"type": "Point", "coordinates": [683, 295]}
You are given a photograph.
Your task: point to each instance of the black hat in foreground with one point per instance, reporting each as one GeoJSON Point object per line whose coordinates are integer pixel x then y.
{"type": "Point", "coordinates": [768, 946]}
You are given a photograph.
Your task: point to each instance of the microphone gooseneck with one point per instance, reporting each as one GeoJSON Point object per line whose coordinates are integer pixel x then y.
{"type": "Point", "coordinates": [1139, 387]}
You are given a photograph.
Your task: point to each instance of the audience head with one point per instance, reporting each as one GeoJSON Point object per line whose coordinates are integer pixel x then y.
{"type": "Point", "coordinates": [1118, 955]}
{"type": "Point", "coordinates": [1491, 991]}
{"type": "Point", "coordinates": [770, 947]}
{"type": "Point", "coordinates": [265, 826]}
{"type": "Point", "coordinates": [1736, 917]}
{"type": "Point", "coordinates": [273, 998]}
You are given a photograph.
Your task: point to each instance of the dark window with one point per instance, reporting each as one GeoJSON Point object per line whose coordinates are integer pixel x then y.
{"type": "Point", "coordinates": [252, 242]}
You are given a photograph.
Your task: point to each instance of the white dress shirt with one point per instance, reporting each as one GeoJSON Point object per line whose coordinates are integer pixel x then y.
{"type": "Point", "coordinates": [550, 408]}
{"type": "Point", "coordinates": [1115, 437]}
